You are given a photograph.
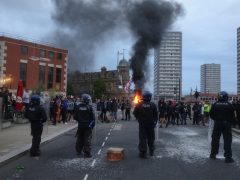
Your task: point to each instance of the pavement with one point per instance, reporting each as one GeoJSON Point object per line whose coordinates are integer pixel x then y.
{"type": "Point", "coordinates": [16, 140]}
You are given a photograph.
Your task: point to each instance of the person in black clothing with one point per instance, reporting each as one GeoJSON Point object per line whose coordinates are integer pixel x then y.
{"type": "Point", "coordinates": [37, 116]}
{"type": "Point", "coordinates": [127, 110]}
{"type": "Point", "coordinates": [162, 109]}
{"type": "Point", "coordinates": [196, 113]}
{"type": "Point", "coordinates": [103, 106]}
{"type": "Point", "coordinates": [54, 109]}
{"type": "Point", "coordinates": [122, 108]}
{"type": "Point", "coordinates": [183, 113]}
{"type": "Point", "coordinates": [114, 107]}
{"type": "Point", "coordinates": [86, 121]}
{"type": "Point", "coordinates": [222, 112]}
{"type": "Point", "coordinates": [147, 115]}
{"type": "Point", "coordinates": [189, 111]}
{"type": "Point", "coordinates": [169, 115]}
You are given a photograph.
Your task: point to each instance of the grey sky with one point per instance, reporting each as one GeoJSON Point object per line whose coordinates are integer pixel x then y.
{"type": "Point", "coordinates": [208, 27]}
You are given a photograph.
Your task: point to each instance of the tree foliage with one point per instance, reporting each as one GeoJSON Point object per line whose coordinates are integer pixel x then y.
{"type": "Point", "coordinates": [99, 88]}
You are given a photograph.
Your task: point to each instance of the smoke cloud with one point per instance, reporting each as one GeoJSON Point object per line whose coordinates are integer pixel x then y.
{"type": "Point", "coordinates": [84, 24]}
{"type": "Point", "coordinates": [149, 20]}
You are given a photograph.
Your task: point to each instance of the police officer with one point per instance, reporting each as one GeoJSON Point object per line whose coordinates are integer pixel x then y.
{"type": "Point", "coordinates": [222, 112]}
{"type": "Point", "coordinates": [86, 120]}
{"type": "Point", "coordinates": [37, 116]}
{"type": "Point", "coordinates": [147, 115]}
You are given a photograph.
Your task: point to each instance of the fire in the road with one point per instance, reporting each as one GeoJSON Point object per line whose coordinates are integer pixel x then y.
{"type": "Point", "coordinates": [137, 97]}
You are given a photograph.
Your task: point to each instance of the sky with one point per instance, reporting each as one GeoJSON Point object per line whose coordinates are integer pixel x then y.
{"type": "Point", "coordinates": [209, 30]}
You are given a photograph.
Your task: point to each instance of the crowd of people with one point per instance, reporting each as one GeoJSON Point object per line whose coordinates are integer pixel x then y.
{"type": "Point", "coordinates": [61, 108]}
{"type": "Point", "coordinates": [177, 113]}
{"type": "Point", "coordinates": [108, 109]}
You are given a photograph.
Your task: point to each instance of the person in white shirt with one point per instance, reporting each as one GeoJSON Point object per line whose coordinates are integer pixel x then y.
{"type": "Point", "coordinates": [26, 98]}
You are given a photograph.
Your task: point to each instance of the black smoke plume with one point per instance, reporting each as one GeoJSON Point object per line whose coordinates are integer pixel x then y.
{"type": "Point", "coordinates": [149, 20]}
{"type": "Point", "coordinates": [84, 24]}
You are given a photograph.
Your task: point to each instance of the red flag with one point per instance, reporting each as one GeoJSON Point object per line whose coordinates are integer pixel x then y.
{"type": "Point", "coordinates": [19, 102]}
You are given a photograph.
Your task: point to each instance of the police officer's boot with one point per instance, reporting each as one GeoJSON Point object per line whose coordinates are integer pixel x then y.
{"type": "Point", "coordinates": [143, 155]}
{"type": "Point", "coordinates": [212, 156]}
{"type": "Point", "coordinates": [229, 160]}
{"type": "Point", "coordinates": [151, 153]}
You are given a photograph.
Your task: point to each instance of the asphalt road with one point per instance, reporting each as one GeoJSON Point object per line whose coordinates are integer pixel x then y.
{"type": "Point", "coordinates": [181, 154]}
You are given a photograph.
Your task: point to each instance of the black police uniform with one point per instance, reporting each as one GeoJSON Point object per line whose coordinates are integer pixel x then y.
{"type": "Point", "coordinates": [222, 112]}
{"type": "Point", "coordinates": [86, 120]}
{"type": "Point", "coordinates": [146, 114]}
{"type": "Point", "coordinates": [37, 116]}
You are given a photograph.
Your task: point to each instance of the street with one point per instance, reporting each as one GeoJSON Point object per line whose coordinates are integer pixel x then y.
{"type": "Point", "coordinates": [181, 153]}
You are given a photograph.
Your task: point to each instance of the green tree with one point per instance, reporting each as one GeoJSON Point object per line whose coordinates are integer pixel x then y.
{"type": "Point", "coordinates": [99, 88]}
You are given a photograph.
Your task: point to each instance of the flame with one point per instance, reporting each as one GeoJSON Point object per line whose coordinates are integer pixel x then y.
{"type": "Point", "coordinates": [137, 98]}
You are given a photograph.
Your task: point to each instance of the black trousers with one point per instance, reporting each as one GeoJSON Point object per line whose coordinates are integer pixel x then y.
{"type": "Point", "coordinates": [146, 139]}
{"type": "Point", "coordinates": [84, 138]}
{"type": "Point", "coordinates": [36, 132]}
{"type": "Point", "coordinates": [127, 114]}
{"type": "Point", "coordinates": [64, 115]}
{"type": "Point", "coordinates": [195, 118]}
{"type": "Point", "coordinates": [225, 129]}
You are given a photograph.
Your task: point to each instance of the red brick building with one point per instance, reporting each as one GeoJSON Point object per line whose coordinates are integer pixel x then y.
{"type": "Point", "coordinates": [35, 64]}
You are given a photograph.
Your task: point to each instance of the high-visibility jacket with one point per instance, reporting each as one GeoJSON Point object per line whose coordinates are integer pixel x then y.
{"type": "Point", "coordinates": [206, 108]}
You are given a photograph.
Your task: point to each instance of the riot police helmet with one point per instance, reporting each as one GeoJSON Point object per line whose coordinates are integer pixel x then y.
{"type": "Point", "coordinates": [147, 96]}
{"type": "Point", "coordinates": [223, 96]}
{"type": "Point", "coordinates": [86, 98]}
{"type": "Point", "coordinates": [35, 100]}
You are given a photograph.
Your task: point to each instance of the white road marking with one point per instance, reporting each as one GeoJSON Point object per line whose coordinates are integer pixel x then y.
{"type": "Point", "coordinates": [99, 152]}
{"type": "Point", "coordinates": [103, 144]}
{"type": "Point", "coordinates": [86, 176]}
{"type": "Point", "coordinates": [94, 161]}
{"type": "Point", "coordinates": [106, 138]}
{"type": "Point", "coordinates": [109, 133]}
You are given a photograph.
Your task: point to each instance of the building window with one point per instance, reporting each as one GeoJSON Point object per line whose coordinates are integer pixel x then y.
{"type": "Point", "coordinates": [51, 54]}
{"type": "Point", "coordinates": [42, 53]}
{"type": "Point", "coordinates": [42, 75]}
{"type": "Point", "coordinates": [24, 49]}
{"type": "Point", "coordinates": [59, 56]}
{"type": "Point", "coordinates": [50, 78]}
{"type": "Point", "coordinates": [23, 73]}
{"type": "Point", "coordinates": [58, 75]}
